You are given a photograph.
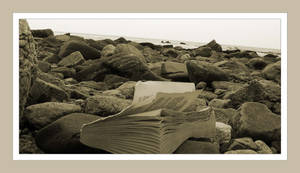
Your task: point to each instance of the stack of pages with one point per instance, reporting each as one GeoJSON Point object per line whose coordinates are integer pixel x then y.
{"type": "Point", "coordinates": [158, 124]}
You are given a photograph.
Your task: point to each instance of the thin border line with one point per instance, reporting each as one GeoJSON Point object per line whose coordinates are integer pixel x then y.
{"type": "Point", "coordinates": [163, 16]}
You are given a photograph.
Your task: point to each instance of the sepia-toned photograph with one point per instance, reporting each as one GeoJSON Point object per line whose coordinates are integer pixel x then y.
{"type": "Point", "coordinates": [171, 85]}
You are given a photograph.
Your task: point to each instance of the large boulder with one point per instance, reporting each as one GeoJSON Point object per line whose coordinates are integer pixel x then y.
{"type": "Point", "coordinates": [74, 45]}
{"type": "Point", "coordinates": [262, 147]}
{"type": "Point", "coordinates": [99, 44]}
{"type": "Point", "coordinates": [257, 63]}
{"type": "Point", "coordinates": [256, 91]}
{"type": "Point", "coordinates": [72, 60]}
{"type": "Point", "coordinates": [105, 105]}
{"type": "Point", "coordinates": [273, 72]}
{"type": "Point", "coordinates": [114, 81]}
{"type": "Point", "coordinates": [62, 136]}
{"type": "Point", "coordinates": [40, 115]}
{"type": "Point", "coordinates": [202, 71]}
{"type": "Point", "coordinates": [127, 49]}
{"type": "Point", "coordinates": [203, 51]}
{"type": "Point", "coordinates": [27, 64]}
{"type": "Point", "coordinates": [108, 50]}
{"type": "Point", "coordinates": [174, 71]}
{"type": "Point", "coordinates": [197, 147]}
{"type": "Point", "coordinates": [214, 46]}
{"type": "Point", "coordinates": [42, 32]}
{"type": "Point", "coordinates": [42, 91]}
{"type": "Point", "coordinates": [95, 71]}
{"type": "Point", "coordinates": [235, 69]}
{"type": "Point", "coordinates": [257, 121]}
{"type": "Point", "coordinates": [223, 133]}
{"type": "Point", "coordinates": [130, 66]}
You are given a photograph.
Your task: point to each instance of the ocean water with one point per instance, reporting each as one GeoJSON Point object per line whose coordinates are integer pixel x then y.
{"type": "Point", "coordinates": [186, 45]}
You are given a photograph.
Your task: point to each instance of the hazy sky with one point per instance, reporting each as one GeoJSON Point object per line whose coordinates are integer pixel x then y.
{"type": "Point", "coordinates": [263, 33]}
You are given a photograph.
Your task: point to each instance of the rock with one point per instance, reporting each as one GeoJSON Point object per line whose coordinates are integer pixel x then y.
{"type": "Point", "coordinates": [52, 77]}
{"type": "Point", "coordinates": [241, 152]}
{"type": "Point", "coordinates": [53, 59]}
{"type": "Point", "coordinates": [202, 51]}
{"type": "Point", "coordinates": [263, 91]}
{"type": "Point", "coordinates": [273, 72]}
{"type": "Point", "coordinates": [105, 105]}
{"type": "Point", "coordinates": [114, 81]}
{"type": "Point", "coordinates": [94, 71]}
{"type": "Point", "coordinates": [99, 44]}
{"type": "Point", "coordinates": [67, 72]}
{"type": "Point", "coordinates": [63, 37]}
{"type": "Point", "coordinates": [27, 145]}
{"type": "Point", "coordinates": [242, 54]}
{"type": "Point", "coordinates": [121, 40]}
{"type": "Point", "coordinates": [130, 66]}
{"type": "Point", "coordinates": [214, 46]}
{"type": "Point", "coordinates": [155, 67]}
{"type": "Point", "coordinates": [129, 50]}
{"type": "Point", "coordinates": [272, 90]}
{"type": "Point", "coordinates": [263, 148]}
{"type": "Point", "coordinates": [257, 63]}
{"type": "Point", "coordinates": [242, 144]}
{"type": "Point", "coordinates": [219, 103]}
{"type": "Point", "coordinates": [127, 89]}
{"type": "Point", "coordinates": [174, 71]}
{"type": "Point", "coordinates": [27, 65]}
{"type": "Point", "coordinates": [224, 115]}
{"type": "Point", "coordinates": [153, 56]}
{"type": "Point", "coordinates": [136, 45]}
{"type": "Point", "coordinates": [253, 92]}
{"type": "Point", "coordinates": [203, 71]}
{"type": "Point", "coordinates": [207, 95]}
{"type": "Point", "coordinates": [170, 52]}
{"type": "Point", "coordinates": [42, 32]}
{"type": "Point", "coordinates": [223, 133]}
{"type": "Point", "coordinates": [201, 85]}
{"type": "Point", "coordinates": [257, 121]}
{"type": "Point", "coordinates": [72, 46]}
{"type": "Point", "coordinates": [62, 136]}
{"type": "Point", "coordinates": [44, 66]}
{"type": "Point", "coordinates": [108, 50]}
{"type": "Point", "coordinates": [235, 69]}
{"type": "Point", "coordinates": [151, 45]}
{"type": "Point", "coordinates": [42, 91]}
{"type": "Point", "coordinates": [40, 115]}
{"type": "Point", "coordinates": [72, 60]}
{"type": "Point", "coordinates": [197, 147]}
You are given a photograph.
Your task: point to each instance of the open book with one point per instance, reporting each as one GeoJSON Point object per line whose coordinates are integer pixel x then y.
{"type": "Point", "coordinates": [158, 125]}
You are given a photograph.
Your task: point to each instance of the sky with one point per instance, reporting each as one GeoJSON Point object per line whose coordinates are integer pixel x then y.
{"type": "Point", "coordinates": [264, 33]}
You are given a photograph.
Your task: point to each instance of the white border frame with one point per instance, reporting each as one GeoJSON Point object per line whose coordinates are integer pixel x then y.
{"type": "Point", "coordinates": [281, 16]}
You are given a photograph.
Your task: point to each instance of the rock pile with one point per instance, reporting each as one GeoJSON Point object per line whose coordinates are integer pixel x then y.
{"type": "Point", "coordinates": [67, 81]}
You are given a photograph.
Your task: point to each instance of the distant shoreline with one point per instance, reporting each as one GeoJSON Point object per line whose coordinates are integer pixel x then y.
{"type": "Point", "coordinates": [187, 45]}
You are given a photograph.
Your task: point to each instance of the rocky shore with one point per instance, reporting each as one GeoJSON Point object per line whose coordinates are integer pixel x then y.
{"type": "Point", "coordinates": [67, 81]}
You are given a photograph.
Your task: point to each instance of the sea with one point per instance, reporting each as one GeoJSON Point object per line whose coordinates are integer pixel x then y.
{"type": "Point", "coordinates": [183, 44]}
